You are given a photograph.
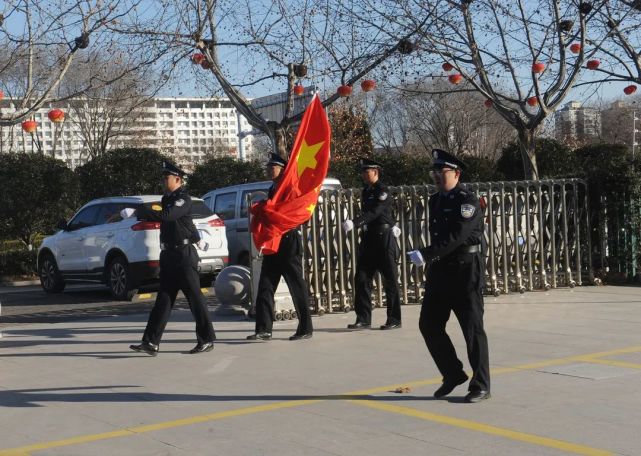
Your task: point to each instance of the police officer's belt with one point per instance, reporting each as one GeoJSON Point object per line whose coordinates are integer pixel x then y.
{"type": "Point", "coordinates": [469, 249]}
{"type": "Point", "coordinates": [377, 228]}
{"type": "Point", "coordinates": [164, 246]}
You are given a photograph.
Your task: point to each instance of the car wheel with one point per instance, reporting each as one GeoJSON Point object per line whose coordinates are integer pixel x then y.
{"type": "Point", "coordinates": [119, 280]}
{"type": "Point", "coordinates": [50, 276]}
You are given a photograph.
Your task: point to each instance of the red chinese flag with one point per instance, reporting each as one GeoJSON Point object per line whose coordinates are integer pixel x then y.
{"type": "Point", "coordinates": [297, 191]}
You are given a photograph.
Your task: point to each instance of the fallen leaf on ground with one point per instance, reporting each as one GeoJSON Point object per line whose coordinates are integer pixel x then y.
{"type": "Point", "coordinates": [403, 389]}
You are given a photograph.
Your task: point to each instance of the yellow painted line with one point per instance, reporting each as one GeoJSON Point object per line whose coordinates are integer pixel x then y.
{"type": "Point", "coordinates": [23, 451]}
{"type": "Point", "coordinates": [383, 389]}
{"type": "Point", "coordinates": [486, 429]}
{"type": "Point", "coordinates": [153, 427]}
{"type": "Point", "coordinates": [144, 296]}
{"type": "Point", "coordinates": [619, 351]}
{"type": "Point", "coordinates": [608, 362]}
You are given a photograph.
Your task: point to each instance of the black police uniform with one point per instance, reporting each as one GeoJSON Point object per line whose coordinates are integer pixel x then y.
{"type": "Point", "coordinates": [378, 251]}
{"type": "Point", "coordinates": [178, 268]}
{"type": "Point", "coordinates": [454, 283]}
{"type": "Point", "coordinates": [288, 263]}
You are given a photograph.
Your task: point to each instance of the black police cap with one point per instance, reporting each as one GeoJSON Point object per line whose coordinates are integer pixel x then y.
{"type": "Point", "coordinates": [171, 169]}
{"type": "Point", "coordinates": [366, 163]}
{"type": "Point", "coordinates": [442, 159]}
{"type": "Point", "coordinates": [276, 160]}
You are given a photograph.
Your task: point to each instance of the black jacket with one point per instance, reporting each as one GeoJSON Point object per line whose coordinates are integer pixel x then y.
{"type": "Point", "coordinates": [176, 223]}
{"type": "Point", "coordinates": [376, 206]}
{"type": "Point", "coordinates": [456, 220]}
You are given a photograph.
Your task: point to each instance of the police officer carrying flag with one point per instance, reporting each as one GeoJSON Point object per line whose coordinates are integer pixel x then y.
{"type": "Point", "coordinates": [454, 279]}
{"type": "Point", "coordinates": [178, 264]}
{"type": "Point", "coordinates": [288, 263]}
{"type": "Point", "coordinates": [377, 251]}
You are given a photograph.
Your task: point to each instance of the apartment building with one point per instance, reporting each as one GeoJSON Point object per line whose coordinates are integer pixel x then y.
{"type": "Point", "coordinates": [189, 128]}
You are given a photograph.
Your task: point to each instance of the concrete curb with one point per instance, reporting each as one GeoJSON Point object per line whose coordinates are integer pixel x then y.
{"type": "Point", "coordinates": [150, 296]}
{"type": "Point", "coordinates": [19, 283]}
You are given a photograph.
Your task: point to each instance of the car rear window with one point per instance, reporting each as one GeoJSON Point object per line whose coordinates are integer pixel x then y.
{"type": "Point", "coordinates": [198, 208]}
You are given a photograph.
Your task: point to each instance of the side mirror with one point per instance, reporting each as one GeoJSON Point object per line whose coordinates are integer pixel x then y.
{"type": "Point", "coordinates": [62, 225]}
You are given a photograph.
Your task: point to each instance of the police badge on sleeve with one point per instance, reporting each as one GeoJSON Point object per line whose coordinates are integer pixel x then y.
{"type": "Point", "coordinates": [467, 210]}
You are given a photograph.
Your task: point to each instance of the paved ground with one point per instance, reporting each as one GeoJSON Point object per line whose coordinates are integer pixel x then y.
{"type": "Point", "coordinates": [30, 304]}
{"type": "Point", "coordinates": [566, 372]}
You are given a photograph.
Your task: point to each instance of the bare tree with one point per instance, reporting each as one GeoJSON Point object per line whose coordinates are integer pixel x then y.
{"type": "Point", "coordinates": [41, 39]}
{"type": "Point", "coordinates": [617, 121]}
{"type": "Point", "coordinates": [279, 44]}
{"type": "Point", "coordinates": [113, 112]}
{"type": "Point", "coordinates": [427, 115]}
{"type": "Point", "coordinates": [618, 58]}
{"type": "Point", "coordinates": [523, 57]}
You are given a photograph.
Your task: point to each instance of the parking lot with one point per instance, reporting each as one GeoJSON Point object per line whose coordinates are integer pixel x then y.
{"type": "Point", "coordinates": [566, 367]}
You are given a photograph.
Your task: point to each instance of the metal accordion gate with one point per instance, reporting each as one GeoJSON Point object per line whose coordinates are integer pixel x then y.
{"type": "Point", "coordinates": [536, 238]}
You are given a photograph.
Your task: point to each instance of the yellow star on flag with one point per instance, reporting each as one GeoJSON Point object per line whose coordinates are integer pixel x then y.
{"type": "Point", "coordinates": [311, 208]}
{"type": "Point", "coordinates": [307, 156]}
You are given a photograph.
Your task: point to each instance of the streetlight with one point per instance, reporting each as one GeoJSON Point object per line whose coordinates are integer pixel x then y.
{"type": "Point", "coordinates": [634, 131]}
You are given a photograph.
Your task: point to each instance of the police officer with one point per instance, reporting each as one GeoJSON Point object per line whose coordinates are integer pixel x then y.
{"type": "Point", "coordinates": [288, 263]}
{"type": "Point", "coordinates": [377, 251]}
{"type": "Point", "coordinates": [178, 264]}
{"type": "Point", "coordinates": [454, 280]}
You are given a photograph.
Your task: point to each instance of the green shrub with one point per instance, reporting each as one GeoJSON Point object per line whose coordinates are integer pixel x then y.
{"type": "Point", "coordinates": [18, 263]}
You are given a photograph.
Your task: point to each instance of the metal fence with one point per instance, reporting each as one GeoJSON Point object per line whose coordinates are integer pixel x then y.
{"type": "Point", "coordinates": [536, 237]}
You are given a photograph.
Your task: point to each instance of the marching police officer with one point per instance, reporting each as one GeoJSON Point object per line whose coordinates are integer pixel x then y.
{"type": "Point", "coordinates": [178, 264]}
{"type": "Point", "coordinates": [454, 279]}
{"type": "Point", "coordinates": [288, 263]}
{"type": "Point", "coordinates": [377, 251]}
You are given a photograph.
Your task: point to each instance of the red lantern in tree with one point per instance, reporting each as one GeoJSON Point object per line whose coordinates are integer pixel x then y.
{"type": "Point", "coordinates": [368, 85]}
{"type": "Point", "coordinates": [447, 66]}
{"type": "Point", "coordinates": [532, 101]}
{"type": "Point", "coordinates": [538, 67]}
{"type": "Point", "coordinates": [205, 64]}
{"type": "Point", "coordinates": [629, 90]}
{"type": "Point", "coordinates": [593, 64]}
{"type": "Point", "coordinates": [29, 126]}
{"type": "Point", "coordinates": [56, 115]}
{"type": "Point", "coordinates": [455, 78]}
{"type": "Point", "coordinates": [344, 90]}
{"type": "Point", "coordinates": [197, 59]}
{"type": "Point", "coordinates": [299, 90]}
{"type": "Point", "coordinates": [1, 95]}
{"type": "Point", "coordinates": [575, 48]}
{"type": "Point", "coordinates": [488, 103]}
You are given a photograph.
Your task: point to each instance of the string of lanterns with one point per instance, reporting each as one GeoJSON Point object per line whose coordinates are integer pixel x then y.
{"type": "Point", "coordinates": [55, 115]}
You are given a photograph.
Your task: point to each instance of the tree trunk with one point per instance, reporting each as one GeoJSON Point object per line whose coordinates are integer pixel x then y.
{"type": "Point", "coordinates": [527, 145]}
{"type": "Point", "coordinates": [279, 137]}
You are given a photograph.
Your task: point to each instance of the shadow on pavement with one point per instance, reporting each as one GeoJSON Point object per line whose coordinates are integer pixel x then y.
{"type": "Point", "coordinates": [34, 397]}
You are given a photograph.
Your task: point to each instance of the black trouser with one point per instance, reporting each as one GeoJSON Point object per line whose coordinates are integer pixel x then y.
{"type": "Point", "coordinates": [179, 271]}
{"type": "Point", "coordinates": [288, 263]}
{"type": "Point", "coordinates": [456, 284]}
{"type": "Point", "coordinates": [377, 251]}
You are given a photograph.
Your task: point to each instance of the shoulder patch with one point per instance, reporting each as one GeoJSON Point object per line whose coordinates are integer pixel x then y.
{"type": "Point", "coordinates": [382, 196]}
{"type": "Point", "coordinates": [467, 210]}
{"type": "Point", "coordinates": [180, 202]}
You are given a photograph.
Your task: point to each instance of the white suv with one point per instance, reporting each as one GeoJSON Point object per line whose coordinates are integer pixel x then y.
{"type": "Point", "coordinates": [97, 245]}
